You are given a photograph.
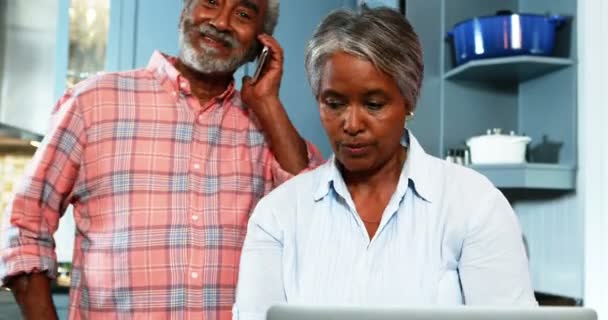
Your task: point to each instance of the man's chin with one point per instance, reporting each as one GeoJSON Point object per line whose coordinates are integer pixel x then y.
{"type": "Point", "coordinates": [210, 66]}
{"type": "Point", "coordinates": [209, 60]}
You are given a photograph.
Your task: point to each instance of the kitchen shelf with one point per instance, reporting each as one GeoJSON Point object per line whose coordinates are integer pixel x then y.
{"type": "Point", "coordinates": [510, 69]}
{"type": "Point", "coordinates": [530, 175]}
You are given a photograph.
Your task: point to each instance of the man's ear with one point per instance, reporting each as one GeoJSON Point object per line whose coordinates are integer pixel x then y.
{"type": "Point", "coordinates": [181, 20]}
{"type": "Point", "coordinates": [185, 9]}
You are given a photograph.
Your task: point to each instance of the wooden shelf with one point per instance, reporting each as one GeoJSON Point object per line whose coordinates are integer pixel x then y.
{"type": "Point", "coordinates": [510, 69]}
{"type": "Point", "coordinates": [530, 176]}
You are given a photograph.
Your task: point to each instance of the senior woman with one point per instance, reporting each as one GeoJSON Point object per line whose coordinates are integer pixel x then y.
{"type": "Point", "coordinates": [382, 223]}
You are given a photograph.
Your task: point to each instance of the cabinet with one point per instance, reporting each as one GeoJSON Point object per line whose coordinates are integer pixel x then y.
{"type": "Point", "coordinates": [27, 69]}
{"type": "Point", "coordinates": [530, 95]}
{"type": "Point", "coordinates": [42, 43]}
{"type": "Point", "coordinates": [536, 96]}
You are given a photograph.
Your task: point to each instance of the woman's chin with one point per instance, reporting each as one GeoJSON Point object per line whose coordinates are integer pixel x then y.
{"type": "Point", "coordinates": [355, 165]}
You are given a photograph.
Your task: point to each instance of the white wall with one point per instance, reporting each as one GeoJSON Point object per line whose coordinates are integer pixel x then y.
{"type": "Point", "coordinates": [554, 230]}
{"type": "Point", "coordinates": [593, 148]}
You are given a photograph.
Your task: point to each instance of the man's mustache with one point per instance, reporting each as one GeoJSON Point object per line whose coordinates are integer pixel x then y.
{"type": "Point", "coordinates": [212, 32]}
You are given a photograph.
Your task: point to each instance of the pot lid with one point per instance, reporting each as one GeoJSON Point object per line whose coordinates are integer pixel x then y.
{"type": "Point", "coordinates": [496, 135]}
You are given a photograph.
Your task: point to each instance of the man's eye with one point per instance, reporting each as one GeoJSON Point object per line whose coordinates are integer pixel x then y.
{"type": "Point", "coordinates": [243, 15]}
{"type": "Point", "coordinates": [333, 104]}
{"type": "Point", "coordinates": [211, 3]}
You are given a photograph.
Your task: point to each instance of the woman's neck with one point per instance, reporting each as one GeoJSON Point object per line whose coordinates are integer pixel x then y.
{"type": "Point", "coordinates": [386, 176]}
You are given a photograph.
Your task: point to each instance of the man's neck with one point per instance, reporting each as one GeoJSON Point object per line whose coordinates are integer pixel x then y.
{"type": "Point", "coordinates": [204, 86]}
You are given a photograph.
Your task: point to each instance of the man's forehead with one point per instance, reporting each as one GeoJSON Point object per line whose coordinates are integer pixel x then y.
{"type": "Point", "coordinates": [258, 3]}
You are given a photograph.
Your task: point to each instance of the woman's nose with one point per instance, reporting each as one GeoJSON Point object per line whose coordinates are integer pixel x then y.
{"type": "Point", "coordinates": [353, 120]}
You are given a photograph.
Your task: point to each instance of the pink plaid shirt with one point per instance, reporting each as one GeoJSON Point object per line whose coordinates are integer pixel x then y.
{"type": "Point", "coordinates": [162, 189]}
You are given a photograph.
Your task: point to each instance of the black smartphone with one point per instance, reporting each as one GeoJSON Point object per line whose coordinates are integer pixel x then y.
{"type": "Point", "coordinates": [261, 61]}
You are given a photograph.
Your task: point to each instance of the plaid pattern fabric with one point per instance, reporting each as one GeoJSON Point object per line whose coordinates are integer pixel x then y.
{"type": "Point", "coordinates": [162, 189]}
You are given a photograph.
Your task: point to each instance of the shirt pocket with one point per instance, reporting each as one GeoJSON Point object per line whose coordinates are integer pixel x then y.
{"type": "Point", "coordinates": [241, 184]}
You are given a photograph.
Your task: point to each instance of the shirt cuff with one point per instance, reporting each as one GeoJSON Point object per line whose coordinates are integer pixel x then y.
{"type": "Point", "coordinates": [26, 260]}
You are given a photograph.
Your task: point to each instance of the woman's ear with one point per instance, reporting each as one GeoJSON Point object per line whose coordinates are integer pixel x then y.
{"type": "Point", "coordinates": [409, 113]}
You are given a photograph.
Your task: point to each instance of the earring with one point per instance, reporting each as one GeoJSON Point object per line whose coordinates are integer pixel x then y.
{"type": "Point", "coordinates": [410, 116]}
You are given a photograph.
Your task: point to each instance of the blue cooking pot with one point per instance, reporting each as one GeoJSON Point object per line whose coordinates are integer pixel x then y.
{"type": "Point", "coordinates": [504, 34]}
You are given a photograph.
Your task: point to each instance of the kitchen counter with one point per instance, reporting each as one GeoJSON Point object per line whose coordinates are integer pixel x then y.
{"type": "Point", "coordinates": [8, 307]}
{"type": "Point", "coordinates": [10, 311]}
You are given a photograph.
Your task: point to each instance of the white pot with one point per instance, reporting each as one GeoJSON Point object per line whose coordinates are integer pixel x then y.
{"type": "Point", "coordinates": [497, 148]}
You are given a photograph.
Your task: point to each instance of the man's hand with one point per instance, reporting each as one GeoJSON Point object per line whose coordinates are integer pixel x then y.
{"type": "Point", "coordinates": [263, 95]}
{"type": "Point", "coordinates": [33, 295]}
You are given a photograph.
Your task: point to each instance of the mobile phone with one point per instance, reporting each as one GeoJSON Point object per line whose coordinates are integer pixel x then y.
{"type": "Point", "coordinates": [261, 61]}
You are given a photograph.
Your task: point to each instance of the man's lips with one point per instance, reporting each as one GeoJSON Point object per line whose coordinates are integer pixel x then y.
{"type": "Point", "coordinates": [213, 41]}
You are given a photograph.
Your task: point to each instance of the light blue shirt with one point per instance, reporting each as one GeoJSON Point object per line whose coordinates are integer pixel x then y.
{"type": "Point", "coordinates": [447, 237]}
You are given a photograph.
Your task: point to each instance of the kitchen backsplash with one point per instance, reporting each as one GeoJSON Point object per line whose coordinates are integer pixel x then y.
{"type": "Point", "coordinates": [12, 168]}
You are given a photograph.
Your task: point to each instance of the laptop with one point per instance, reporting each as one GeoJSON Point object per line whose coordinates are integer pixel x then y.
{"type": "Point", "coordinates": [293, 312]}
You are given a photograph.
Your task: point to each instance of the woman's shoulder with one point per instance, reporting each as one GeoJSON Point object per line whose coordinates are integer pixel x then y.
{"type": "Point", "coordinates": [283, 205]}
{"type": "Point", "coordinates": [466, 176]}
{"type": "Point", "coordinates": [299, 188]}
{"type": "Point", "coordinates": [466, 198]}
{"type": "Point", "coordinates": [461, 182]}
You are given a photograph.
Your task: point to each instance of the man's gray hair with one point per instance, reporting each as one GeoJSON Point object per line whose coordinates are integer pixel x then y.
{"type": "Point", "coordinates": [381, 35]}
{"type": "Point", "coordinates": [270, 20]}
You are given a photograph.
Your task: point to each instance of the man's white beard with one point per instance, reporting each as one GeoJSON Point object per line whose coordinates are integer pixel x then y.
{"type": "Point", "coordinates": [207, 62]}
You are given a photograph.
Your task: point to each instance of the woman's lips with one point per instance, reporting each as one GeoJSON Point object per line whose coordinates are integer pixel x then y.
{"type": "Point", "coordinates": [355, 149]}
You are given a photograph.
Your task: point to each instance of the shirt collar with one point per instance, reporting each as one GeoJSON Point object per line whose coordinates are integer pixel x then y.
{"type": "Point", "coordinates": [415, 172]}
{"type": "Point", "coordinates": [163, 67]}
{"type": "Point", "coordinates": [417, 167]}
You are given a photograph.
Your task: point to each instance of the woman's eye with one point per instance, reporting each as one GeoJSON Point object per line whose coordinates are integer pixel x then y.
{"type": "Point", "coordinates": [373, 105]}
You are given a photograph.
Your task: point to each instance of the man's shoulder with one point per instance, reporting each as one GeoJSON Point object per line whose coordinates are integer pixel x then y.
{"type": "Point", "coordinates": [121, 80]}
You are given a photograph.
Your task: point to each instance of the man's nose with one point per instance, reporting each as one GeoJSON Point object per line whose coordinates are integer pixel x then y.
{"type": "Point", "coordinates": [221, 21]}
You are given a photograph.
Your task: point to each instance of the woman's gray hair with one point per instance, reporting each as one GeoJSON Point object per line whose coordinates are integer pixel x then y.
{"type": "Point", "coordinates": [382, 36]}
{"type": "Point", "coordinates": [270, 20]}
